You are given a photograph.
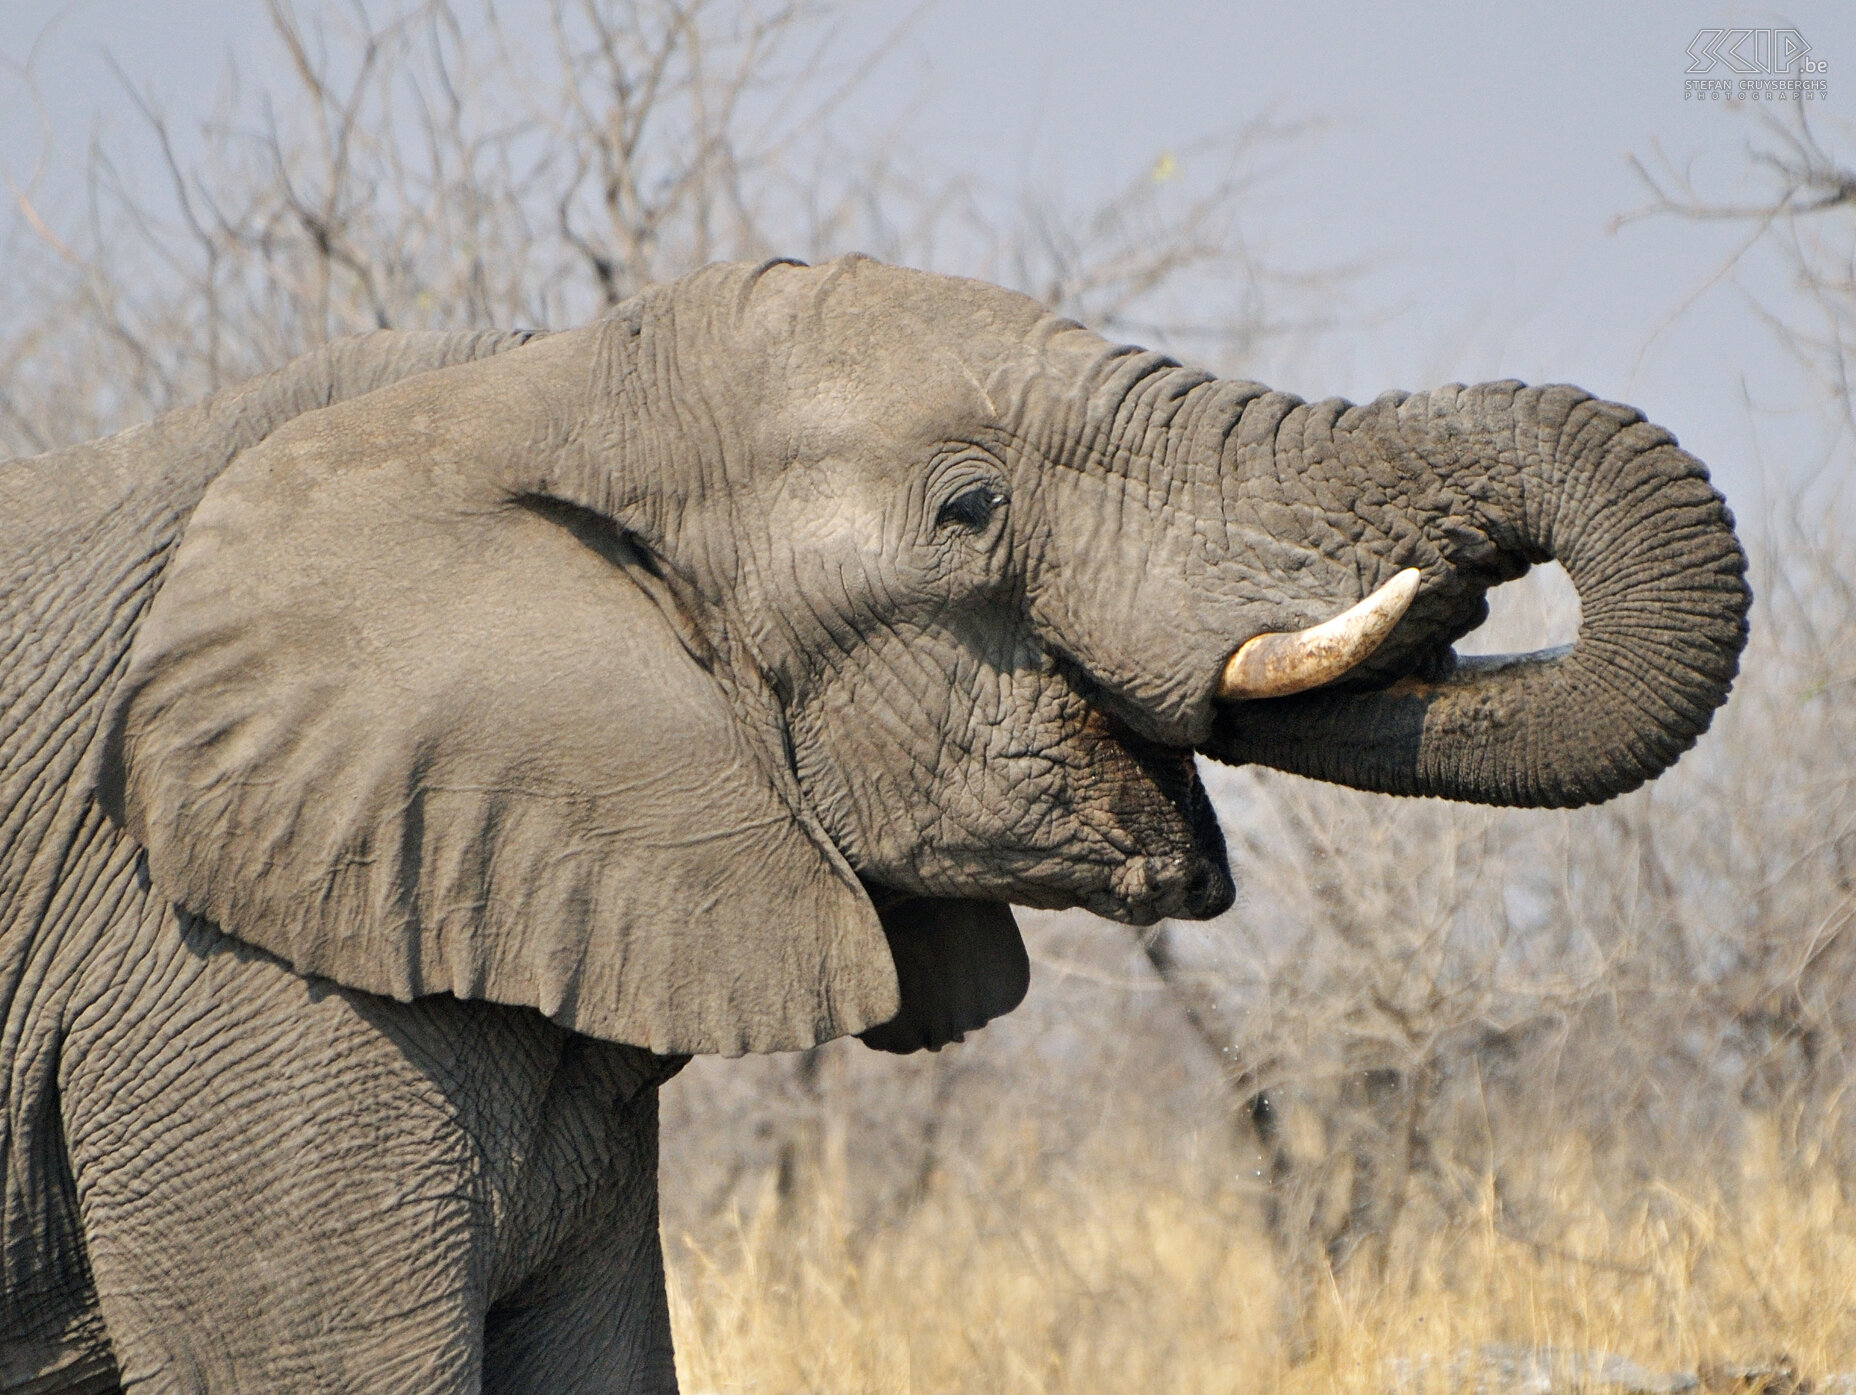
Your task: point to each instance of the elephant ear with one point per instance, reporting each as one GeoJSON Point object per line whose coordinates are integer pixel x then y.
{"type": "Point", "coordinates": [959, 965]}
{"type": "Point", "coordinates": [417, 735]}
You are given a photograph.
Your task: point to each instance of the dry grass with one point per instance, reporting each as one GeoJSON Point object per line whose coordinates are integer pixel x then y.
{"type": "Point", "coordinates": [1089, 1283]}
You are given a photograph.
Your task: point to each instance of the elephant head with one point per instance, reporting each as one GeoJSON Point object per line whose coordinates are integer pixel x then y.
{"type": "Point", "coordinates": [710, 677]}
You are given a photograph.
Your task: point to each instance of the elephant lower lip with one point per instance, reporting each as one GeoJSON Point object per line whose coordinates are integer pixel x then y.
{"type": "Point", "coordinates": [1146, 889]}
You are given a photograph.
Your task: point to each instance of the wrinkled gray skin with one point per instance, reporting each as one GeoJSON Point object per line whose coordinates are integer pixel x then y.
{"type": "Point", "coordinates": [408, 758]}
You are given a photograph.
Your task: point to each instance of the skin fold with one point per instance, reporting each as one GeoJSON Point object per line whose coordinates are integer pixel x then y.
{"type": "Point", "coordinates": [408, 759]}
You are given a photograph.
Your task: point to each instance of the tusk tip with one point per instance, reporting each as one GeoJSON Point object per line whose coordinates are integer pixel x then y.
{"type": "Point", "coordinates": [1403, 587]}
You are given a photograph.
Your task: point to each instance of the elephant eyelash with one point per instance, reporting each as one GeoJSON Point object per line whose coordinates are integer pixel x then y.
{"type": "Point", "coordinates": [971, 509]}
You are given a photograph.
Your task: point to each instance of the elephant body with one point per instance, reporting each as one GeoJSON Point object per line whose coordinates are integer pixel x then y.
{"type": "Point", "coordinates": [409, 758]}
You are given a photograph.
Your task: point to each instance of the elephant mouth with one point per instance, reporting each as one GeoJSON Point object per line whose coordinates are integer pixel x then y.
{"type": "Point", "coordinates": [1159, 850]}
{"type": "Point", "coordinates": [1175, 863]}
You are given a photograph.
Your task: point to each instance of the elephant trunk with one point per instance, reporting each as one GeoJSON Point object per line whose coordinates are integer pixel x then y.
{"type": "Point", "coordinates": [1472, 485]}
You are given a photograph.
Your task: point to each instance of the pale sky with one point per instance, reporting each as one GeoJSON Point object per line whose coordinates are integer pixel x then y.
{"type": "Point", "coordinates": [1472, 156]}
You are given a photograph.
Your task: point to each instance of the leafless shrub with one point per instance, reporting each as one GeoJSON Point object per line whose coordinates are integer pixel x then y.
{"type": "Point", "coordinates": [428, 166]}
{"type": "Point", "coordinates": [1795, 200]}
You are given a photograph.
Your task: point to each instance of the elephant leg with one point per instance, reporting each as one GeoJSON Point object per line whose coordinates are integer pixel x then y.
{"type": "Point", "coordinates": [594, 1317]}
{"type": "Point", "coordinates": [274, 1191]}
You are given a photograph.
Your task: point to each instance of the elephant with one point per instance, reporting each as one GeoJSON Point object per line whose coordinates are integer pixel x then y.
{"type": "Point", "coordinates": [410, 758]}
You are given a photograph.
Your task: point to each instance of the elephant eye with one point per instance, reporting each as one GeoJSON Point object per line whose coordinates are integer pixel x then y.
{"type": "Point", "coordinates": [971, 509]}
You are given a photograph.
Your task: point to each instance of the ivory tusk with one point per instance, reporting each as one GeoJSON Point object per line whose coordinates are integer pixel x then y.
{"type": "Point", "coordinates": [1277, 665]}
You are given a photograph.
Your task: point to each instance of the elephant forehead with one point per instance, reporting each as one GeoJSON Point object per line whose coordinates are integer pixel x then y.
{"type": "Point", "coordinates": [862, 408]}
{"type": "Point", "coordinates": [863, 342]}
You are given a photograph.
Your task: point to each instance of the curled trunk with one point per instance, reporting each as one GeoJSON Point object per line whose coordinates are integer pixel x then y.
{"type": "Point", "coordinates": [1511, 476]}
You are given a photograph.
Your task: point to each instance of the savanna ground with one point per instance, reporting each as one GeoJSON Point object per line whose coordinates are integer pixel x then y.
{"type": "Point", "coordinates": [1027, 1275]}
{"type": "Point", "coordinates": [1444, 1077]}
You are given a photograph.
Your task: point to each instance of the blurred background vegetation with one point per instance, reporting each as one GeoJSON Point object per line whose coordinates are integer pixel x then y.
{"type": "Point", "coordinates": [1445, 1076]}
